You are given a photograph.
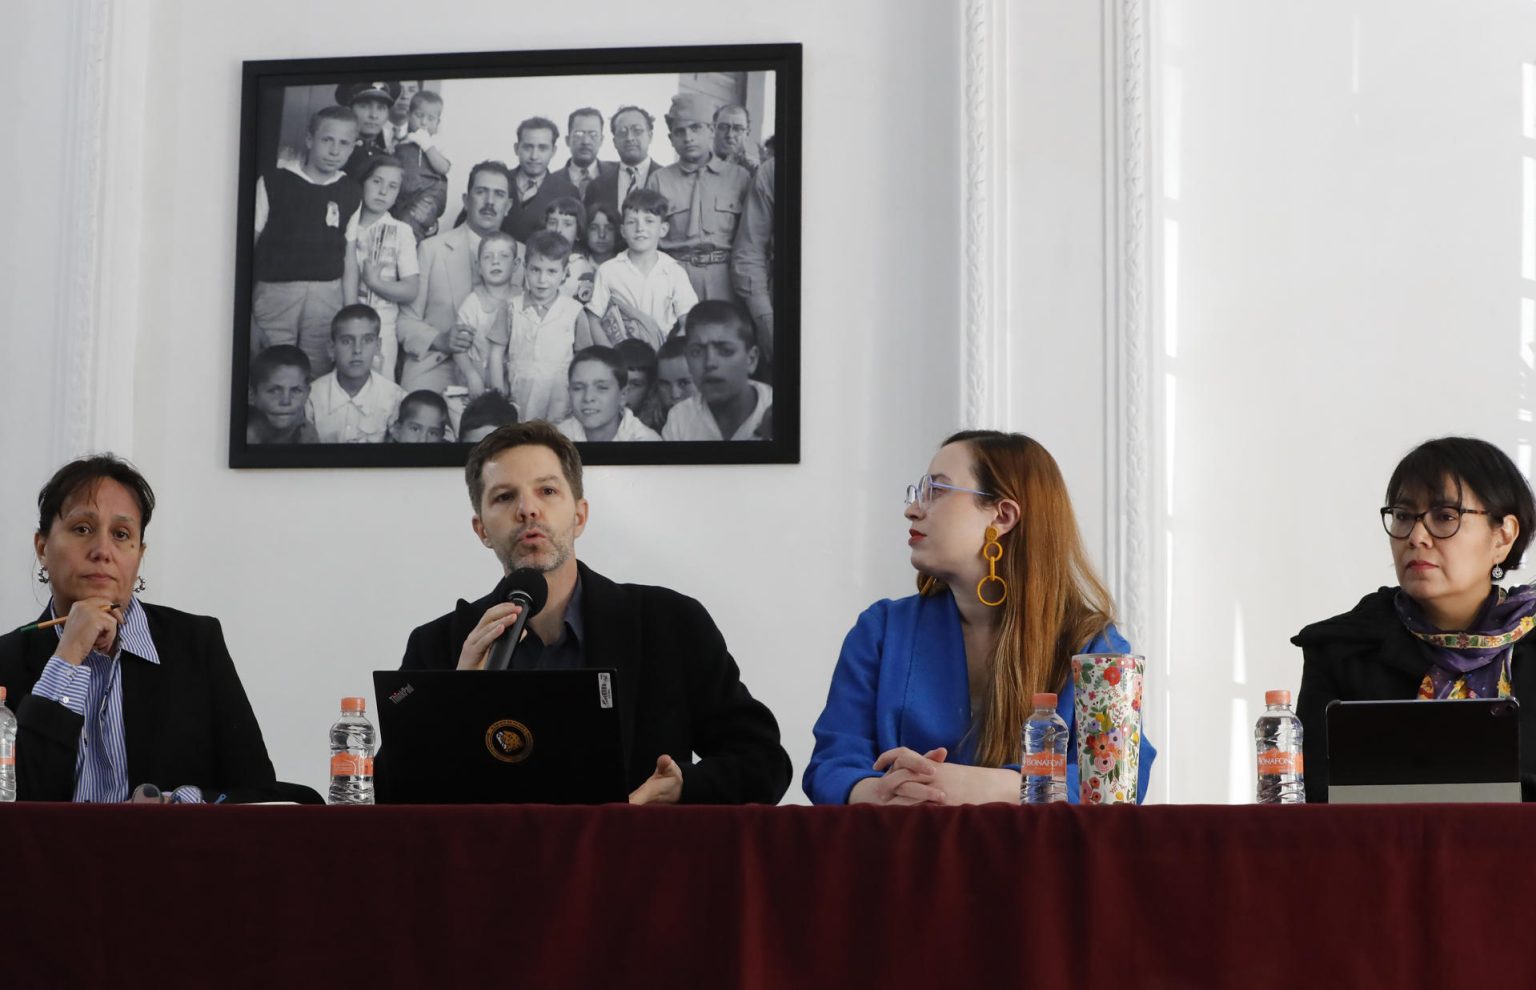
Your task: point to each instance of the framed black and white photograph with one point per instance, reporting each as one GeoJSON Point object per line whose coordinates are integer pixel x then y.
{"type": "Point", "coordinates": [431, 246]}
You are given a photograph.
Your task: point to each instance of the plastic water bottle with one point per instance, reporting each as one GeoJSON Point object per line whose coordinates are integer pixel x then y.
{"type": "Point", "coordinates": [7, 751]}
{"type": "Point", "coordinates": [1044, 770]}
{"type": "Point", "coordinates": [352, 745]}
{"type": "Point", "coordinates": [1277, 743]}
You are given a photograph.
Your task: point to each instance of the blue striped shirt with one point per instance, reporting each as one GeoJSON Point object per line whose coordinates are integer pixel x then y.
{"type": "Point", "coordinates": [94, 690]}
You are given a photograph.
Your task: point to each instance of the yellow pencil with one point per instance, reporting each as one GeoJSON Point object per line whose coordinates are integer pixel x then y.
{"type": "Point", "coordinates": [56, 622]}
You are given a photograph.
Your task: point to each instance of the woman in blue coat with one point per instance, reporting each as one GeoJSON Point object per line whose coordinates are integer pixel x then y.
{"type": "Point", "coordinates": [931, 691]}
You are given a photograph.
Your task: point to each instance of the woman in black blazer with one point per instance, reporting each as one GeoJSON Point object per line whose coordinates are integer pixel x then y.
{"type": "Point", "coordinates": [123, 694]}
{"type": "Point", "coordinates": [1458, 514]}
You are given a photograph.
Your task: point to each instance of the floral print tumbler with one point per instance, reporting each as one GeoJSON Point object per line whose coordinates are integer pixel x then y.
{"type": "Point", "coordinates": [1107, 705]}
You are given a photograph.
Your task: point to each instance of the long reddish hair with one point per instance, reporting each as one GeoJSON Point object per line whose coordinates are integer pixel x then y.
{"type": "Point", "coordinates": [1056, 603]}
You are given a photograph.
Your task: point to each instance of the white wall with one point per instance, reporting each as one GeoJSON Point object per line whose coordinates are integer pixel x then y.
{"type": "Point", "coordinates": [32, 36]}
{"type": "Point", "coordinates": [1053, 214]}
{"type": "Point", "coordinates": [1344, 217]}
{"type": "Point", "coordinates": [1347, 255]}
{"type": "Point", "coordinates": [319, 575]}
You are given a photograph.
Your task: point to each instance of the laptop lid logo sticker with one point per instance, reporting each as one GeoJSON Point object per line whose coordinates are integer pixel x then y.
{"type": "Point", "coordinates": [509, 741]}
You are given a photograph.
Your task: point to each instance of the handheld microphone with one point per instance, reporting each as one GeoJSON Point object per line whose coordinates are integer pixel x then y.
{"type": "Point", "coordinates": [526, 587]}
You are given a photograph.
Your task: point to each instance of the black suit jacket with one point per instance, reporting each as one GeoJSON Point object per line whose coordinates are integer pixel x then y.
{"type": "Point", "coordinates": [561, 177]}
{"type": "Point", "coordinates": [526, 216]}
{"type": "Point", "coordinates": [679, 691]}
{"type": "Point", "coordinates": [605, 189]}
{"type": "Point", "coordinates": [185, 720]}
{"type": "Point", "coordinates": [1368, 654]}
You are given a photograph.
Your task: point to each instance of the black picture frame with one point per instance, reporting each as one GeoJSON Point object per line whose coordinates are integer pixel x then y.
{"type": "Point", "coordinates": [265, 85]}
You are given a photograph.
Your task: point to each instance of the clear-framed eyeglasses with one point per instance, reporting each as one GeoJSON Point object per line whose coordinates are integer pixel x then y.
{"type": "Point", "coordinates": [1442, 521]}
{"type": "Point", "coordinates": [923, 493]}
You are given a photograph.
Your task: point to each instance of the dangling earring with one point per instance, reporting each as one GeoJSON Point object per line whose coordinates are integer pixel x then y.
{"type": "Point", "coordinates": [993, 551]}
{"type": "Point", "coordinates": [138, 588]}
{"type": "Point", "coordinates": [1497, 573]}
{"type": "Point", "coordinates": [42, 573]}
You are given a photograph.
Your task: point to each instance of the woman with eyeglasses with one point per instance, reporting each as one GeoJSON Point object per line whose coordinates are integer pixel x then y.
{"type": "Point", "coordinates": [931, 691]}
{"type": "Point", "coordinates": [1458, 515]}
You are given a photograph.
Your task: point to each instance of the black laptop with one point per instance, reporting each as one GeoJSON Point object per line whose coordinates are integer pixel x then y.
{"type": "Point", "coordinates": [505, 736]}
{"type": "Point", "coordinates": [1389, 752]}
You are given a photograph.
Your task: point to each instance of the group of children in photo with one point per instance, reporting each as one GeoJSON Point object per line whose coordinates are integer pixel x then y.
{"type": "Point", "coordinates": [585, 322]}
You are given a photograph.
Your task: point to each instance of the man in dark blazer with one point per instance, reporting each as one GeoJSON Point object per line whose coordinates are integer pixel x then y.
{"type": "Point", "coordinates": [533, 188]}
{"type": "Point", "coordinates": [679, 692]}
{"type": "Point", "coordinates": [584, 138]}
{"type": "Point", "coordinates": [633, 129]}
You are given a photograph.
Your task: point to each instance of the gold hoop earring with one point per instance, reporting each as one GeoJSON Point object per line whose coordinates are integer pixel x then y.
{"type": "Point", "coordinates": [993, 551]}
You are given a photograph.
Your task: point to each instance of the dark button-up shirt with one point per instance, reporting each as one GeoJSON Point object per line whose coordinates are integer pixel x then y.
{"type": "Point", "coordinates": [565, 653]}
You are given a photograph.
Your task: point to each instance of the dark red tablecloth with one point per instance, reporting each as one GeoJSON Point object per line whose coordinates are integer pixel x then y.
{"type": "Point", "coordinates": [769, 897]}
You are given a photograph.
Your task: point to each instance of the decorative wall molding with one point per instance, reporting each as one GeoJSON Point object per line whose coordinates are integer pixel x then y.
{"type": "Point", "coordinates": [124, 195]}
{"type": "Point", "coordinates": [79, 327]}
{"type": "Point", "coordinates": [1128, 378]}
{"type": "Point", "coordinates": [101, 270]}
{"type": "Point", "coordinates": [983, 359]}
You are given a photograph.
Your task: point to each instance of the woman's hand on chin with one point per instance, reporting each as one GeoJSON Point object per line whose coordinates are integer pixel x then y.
{"type": "Point", "coordinates": [92, 625]}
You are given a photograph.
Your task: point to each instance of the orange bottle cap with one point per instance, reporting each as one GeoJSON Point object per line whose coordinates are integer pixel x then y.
{"type": "Point", "coordinates": [354, 704]}
{"type": "Point", "coordinates": [1277, 698]}
{"type": "Point", "coordinates": [1045, 700]}
{"type": "Point", "coordinates": [2, 694]}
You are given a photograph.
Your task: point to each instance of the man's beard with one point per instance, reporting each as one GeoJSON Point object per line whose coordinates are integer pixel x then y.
{"type": "Point", "coordinates": [549, 557]}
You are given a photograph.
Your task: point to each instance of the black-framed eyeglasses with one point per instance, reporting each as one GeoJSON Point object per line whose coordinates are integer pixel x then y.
{"type": "Point", "coordinates": [923, 492]}
{"type": "Point", "coordinates": [1442, 521]}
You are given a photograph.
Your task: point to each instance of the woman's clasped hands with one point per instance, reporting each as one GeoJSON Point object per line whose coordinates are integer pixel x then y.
{"type": "Point", "coordinates": [910, 778]}
{"type": "Point", "coordinates": [927, 778]}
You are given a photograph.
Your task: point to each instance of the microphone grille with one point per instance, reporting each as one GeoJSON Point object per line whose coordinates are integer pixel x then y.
{"type": "Point", "coordinates": [527, 586]}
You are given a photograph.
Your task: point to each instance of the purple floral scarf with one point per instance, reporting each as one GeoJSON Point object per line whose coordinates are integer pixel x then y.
{"type": "Point", "coordinates": [1464, 661]}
